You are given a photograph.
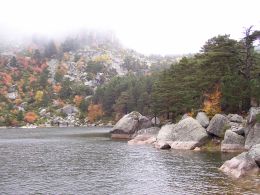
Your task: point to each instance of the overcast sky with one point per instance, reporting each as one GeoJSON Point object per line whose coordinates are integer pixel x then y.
{"type": "Point", "coordinates": [148, 26]}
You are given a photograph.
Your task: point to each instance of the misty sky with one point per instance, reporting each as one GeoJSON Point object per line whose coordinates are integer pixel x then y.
{"type": "Point", "coordinates": [148, 26]}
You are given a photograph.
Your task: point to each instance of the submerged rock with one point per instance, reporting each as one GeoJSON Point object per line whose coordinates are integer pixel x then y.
{"type": "Point", "coordinates": [142, 139]}
{"type": "Point", "coordinates": [232, 142]}
{"type": "Point", "coordinates": [186, 134]}
{"type": "Point", "coordinates": [145, 136]}
{"type": "Point", "coordinates": [130, 124]}
{"type": "Point", "coordinates": [240, 165]}
{"type": "Point", "coordinates": [217, 125]}
{"type": "Point", "coordinates": [203, 119]}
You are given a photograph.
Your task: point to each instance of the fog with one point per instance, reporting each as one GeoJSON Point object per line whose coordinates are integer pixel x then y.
{"type": "Point", "coordinates": [148, 26]}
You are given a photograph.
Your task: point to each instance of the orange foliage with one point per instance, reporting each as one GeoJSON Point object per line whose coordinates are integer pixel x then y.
{"type": "Point", "coordinates": [56, 88]}
{"type": "Point", "coordinates": [95, 111]}
{"type": "Point", "coordinates": [6, 78]}
{"type": "Point", "coordinates": [30, 117]}
{"type": "Point", "coordinates": [77, 100]}
{"type": "Point", "coordinates": [32, 79]}
{"type": "Point", "coordinates": [211, 103]}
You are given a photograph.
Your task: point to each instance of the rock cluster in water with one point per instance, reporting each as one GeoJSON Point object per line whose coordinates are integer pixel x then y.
{"type": "Point", "coordinates": [237, 135]}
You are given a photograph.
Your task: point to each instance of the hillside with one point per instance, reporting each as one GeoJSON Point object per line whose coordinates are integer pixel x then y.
{"type": "Point", "coordinates": [52, 81]}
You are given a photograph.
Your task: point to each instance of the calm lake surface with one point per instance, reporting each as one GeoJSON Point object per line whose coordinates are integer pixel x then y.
{"type": "Point", "coordinates": [86, 161]}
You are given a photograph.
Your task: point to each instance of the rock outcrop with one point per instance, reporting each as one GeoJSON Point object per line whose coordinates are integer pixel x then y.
{"type": "Point", "coordinates": [145, 136]}
{"type": "Point", "coordinates": [254, 153]}
{"type": "Point", "coordinates": [130, 124]}
{"type": "Point", "coordinates": [251, 118]}
{"type": "Point", "coordinates": [217, 125]}
{"type": "Point", "coordinates": [186, 134]}
{"type": "Point", "coordinates": [203, 119]}
{"type": "Point", "coordinates": [232, 142]}
{"type": "Point", "coordinates": [69, 109]}
{"type": "Point", "coordinates": [239, 166]}
{"type": "Point", "coordinates": [235, 118]}
{"type": "Point", "coordinates": [252, 135]}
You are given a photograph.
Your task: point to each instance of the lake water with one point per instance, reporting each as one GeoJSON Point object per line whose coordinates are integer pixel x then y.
{"type": "Point", "coordinates": [86, 161]}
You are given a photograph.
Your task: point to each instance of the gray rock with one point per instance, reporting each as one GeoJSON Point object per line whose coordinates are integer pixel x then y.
{"type": "Point", "coordinates": [150, 131]}
{"type": "Point", "coordinates": [42, 112]}
{"type": "Point", "coordinates": [186, 134]}
{"type": "Point", "coordinates": [203, 119]}
{"type": "Point", "coordinates": [12, 95]}
{"type": "Point", "coordinates": [162, 145]}
{"type": "Point", "coordinates": [69, 109]}
{"type": "Point", "coordinates": [156, 121]}
{"type": "Point", "coordinates": [232, 142]}
{"type": "Point", "coordinates": [240, 166]}
{"type": "Point", "coordinates": [24, 104]}
{"type": "Point", "coordinates": [165, 132]}
{"type": "Point", "coordinates": [251, 118]}
{"type": "Point", "coordinates": [218, 125]}
{"type": "Point", "coordinates": [235, 118]}
{"type": "Point", "coordinates": [142, 139]}
{"type": "Point", "coordinates": [254, 153]}
{"type": "Point", "coordinates": [131, 123]}
{"type": "Point", "coordinates": [252, 135]}
{"type": "Point", "coordinates": [239, 131]}
{"type": "Point", "coordinates": [185, 116]}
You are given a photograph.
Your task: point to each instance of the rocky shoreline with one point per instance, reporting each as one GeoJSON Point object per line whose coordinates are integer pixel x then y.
{"type": "Point", "coordinates": [232, 133]}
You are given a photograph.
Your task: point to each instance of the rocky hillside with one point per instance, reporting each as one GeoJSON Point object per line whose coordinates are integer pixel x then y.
{"type": "Point", "coordinates": [51, 81]}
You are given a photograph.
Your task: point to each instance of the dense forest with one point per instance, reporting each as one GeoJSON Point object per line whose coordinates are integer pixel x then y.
{"type": "Point", "coordinates": [47, 81]}
{"type": "Point", "coordinates": [223, 77]}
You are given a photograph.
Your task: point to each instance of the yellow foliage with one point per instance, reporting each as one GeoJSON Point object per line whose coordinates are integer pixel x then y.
{"type": "Point", "coordinates": [211, 104]}
{"type": "Point", "coordinates": [102, 58]}
{"type": "Point", "coordinates": [95, 111]}
{"type": "Point", "coordinates": [38, 96]}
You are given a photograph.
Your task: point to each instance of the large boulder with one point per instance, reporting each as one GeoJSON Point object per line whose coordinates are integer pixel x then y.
{"type": "Point", "coordinates": [203, 119]}
{"type": "Point", "coordinates": [252, 135]}
{"type": "Point", "coordinates": [165, 132]}
{"type": "Point", "coordinates": [238, 128]}
{"type": "Point", "coordinates": [251, 118]}
{"type": "Point", "coordinates": [217, 125]}
{"type": "Point", "coordinates": [254, 153]}
{"type": "Point", "coordinates": [130, 124]}
{"type": "Point", "coordinates": [145, 136]}
{"type": "Point", "coordinates": [235, 118]}
{"type": "Point", "coordinates": [186, 134]}
{"type": "Point", "coordinates": [240, 165]}
{"type": "Point", "coordinates": [69, 109]}
{"type": "Point", "coordinates": [232, 142]}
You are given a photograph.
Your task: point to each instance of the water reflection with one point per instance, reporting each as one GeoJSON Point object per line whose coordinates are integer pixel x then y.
{"type": "Point", "coordinates": [86, 161]}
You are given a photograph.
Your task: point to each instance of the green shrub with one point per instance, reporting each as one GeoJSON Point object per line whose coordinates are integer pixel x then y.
{"type": "Point", "coordinates": [257, 118]}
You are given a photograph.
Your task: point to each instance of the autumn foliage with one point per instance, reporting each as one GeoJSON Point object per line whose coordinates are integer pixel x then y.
{"type": "Point", "coordinates": [77, 100]}
{"type": "Point", "coordinates": [95, 111]}
{"type": "Point", "coordinates": [30, 117]}
{"type": "Point", "coordinates": [211, 103]}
